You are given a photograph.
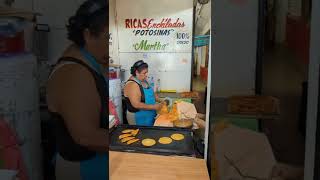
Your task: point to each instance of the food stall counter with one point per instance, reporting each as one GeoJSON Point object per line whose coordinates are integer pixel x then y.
{"type": "Point", "coordinates": [136, 166]}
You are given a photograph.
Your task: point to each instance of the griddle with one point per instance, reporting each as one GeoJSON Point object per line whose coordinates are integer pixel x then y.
{"type": "Point", "coordinates": [184, 147]}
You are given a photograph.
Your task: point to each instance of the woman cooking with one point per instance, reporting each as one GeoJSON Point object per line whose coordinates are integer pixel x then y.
{"type": "Point", "coordinates": [140, 97]}
{"type": "Point", "coordinates": [77, 96]}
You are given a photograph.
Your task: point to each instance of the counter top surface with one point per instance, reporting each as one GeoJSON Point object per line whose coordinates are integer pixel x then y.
{"type": "Point", "coordinates": [135, 166]}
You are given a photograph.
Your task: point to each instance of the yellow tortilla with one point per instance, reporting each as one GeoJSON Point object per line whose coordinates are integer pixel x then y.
{"type": "Point", "coordinates": [177, 137]}
{"type": "Point", "coordinates": [126, 139]}
{"type": "Point", "coordinates": [132, 141]}
{"type": "Point", "coordinates": [148, 142]}
{"type": "Point", "coordinates": [127, 131]}
{"type": "Point", "coordinates": [135, 132]}
{"type": "Point", "coordinates": [124, 136]}
{"type": "Point", "coordinates": [165, 140]}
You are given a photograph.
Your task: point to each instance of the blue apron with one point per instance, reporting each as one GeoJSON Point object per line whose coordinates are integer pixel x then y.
{"type": "Point", "coordinates": [146, 117]}
{"type": "Point", "coordinates": [96, 167]}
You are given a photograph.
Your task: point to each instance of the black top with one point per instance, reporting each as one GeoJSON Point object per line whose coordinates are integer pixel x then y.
{"type": "Point", "coordinates": [127, 100]}
{"type": "Point", "coordinates": [66, 146]}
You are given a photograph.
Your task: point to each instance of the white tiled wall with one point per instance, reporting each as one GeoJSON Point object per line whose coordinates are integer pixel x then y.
{"type": "Point", "coordinates": [56, 13]}
{"type": "Point", "coordinates": [173, 68]}
{"type": "Point", "coordinates": [57, 43]}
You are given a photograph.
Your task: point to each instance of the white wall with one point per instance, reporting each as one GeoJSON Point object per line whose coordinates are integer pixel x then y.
{"type": "Point", "coordinates": [171, 65]}
{"type": "Point", "coordinates": [234, 41]}
{"type": "Point", "coordinates": [114, 48]}
{"type": "Point", "coordinates": [56, 15]}
{"type": "Point", "coordinates": [21, 4]}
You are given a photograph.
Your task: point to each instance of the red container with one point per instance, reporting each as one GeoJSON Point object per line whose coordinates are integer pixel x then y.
{"type": "Point", "coordinates": [112, 74]}
{"type": "Point", "coordinates": [12, 44]}
{"type": "Point", "coordinates": [204, 73]}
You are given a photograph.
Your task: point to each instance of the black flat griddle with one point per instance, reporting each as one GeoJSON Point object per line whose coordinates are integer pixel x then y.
{"type": "Point", "coordinates": [184, 147]}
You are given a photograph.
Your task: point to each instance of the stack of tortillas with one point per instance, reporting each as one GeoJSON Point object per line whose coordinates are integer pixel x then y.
{"type": "Point", "coordinates": [186, 110]}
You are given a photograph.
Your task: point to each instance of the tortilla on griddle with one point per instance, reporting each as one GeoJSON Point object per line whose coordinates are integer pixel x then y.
{"type": "Point", "coordinates": [124, 136]}
{"type": "Point", "coordinates": [177, 137]}
{"type": "Point", "coordinates": [148, 142]}
{"type": "Point", "coordinates": [165, 140]}
{"type": "Point", "coordinates": [132, 141]}
{"type": "Point", "coordinates": [126, 139]}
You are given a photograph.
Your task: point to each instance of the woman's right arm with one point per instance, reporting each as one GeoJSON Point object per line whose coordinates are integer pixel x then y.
{"type": "Point", "coordinates": [134, 95]}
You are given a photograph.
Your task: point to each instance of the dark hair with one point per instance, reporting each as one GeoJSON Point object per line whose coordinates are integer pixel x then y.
{"type": "Point", "coordinates": [92, 15]}
{"type": "Point", "coordinates": [138, 66]}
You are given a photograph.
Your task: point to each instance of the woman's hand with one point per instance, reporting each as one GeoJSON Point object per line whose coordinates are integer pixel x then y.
{"type": "Point", "coordinates": [158, 106]}
{"type": "Point", "coordinates": [200, 122]}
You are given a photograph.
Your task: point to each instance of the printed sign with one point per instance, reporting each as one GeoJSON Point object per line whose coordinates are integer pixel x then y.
{"type": "Point", "coordinates": [151, 35]}
{"type": "Point", "coordinates": [160, 33]}
{"type": "Point", "coordinates": [165, 34]}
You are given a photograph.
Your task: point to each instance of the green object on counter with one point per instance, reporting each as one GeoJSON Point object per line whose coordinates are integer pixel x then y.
{"type": "Point", "coordinates": [246, 123]}
{"type": "Point", "coordinates": [184, 99]}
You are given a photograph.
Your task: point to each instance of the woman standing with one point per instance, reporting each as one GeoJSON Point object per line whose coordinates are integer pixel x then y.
{"type": "Point", "coordinates": [77, 97]}
{"type": "Point", "coordinates": [140, 97]}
